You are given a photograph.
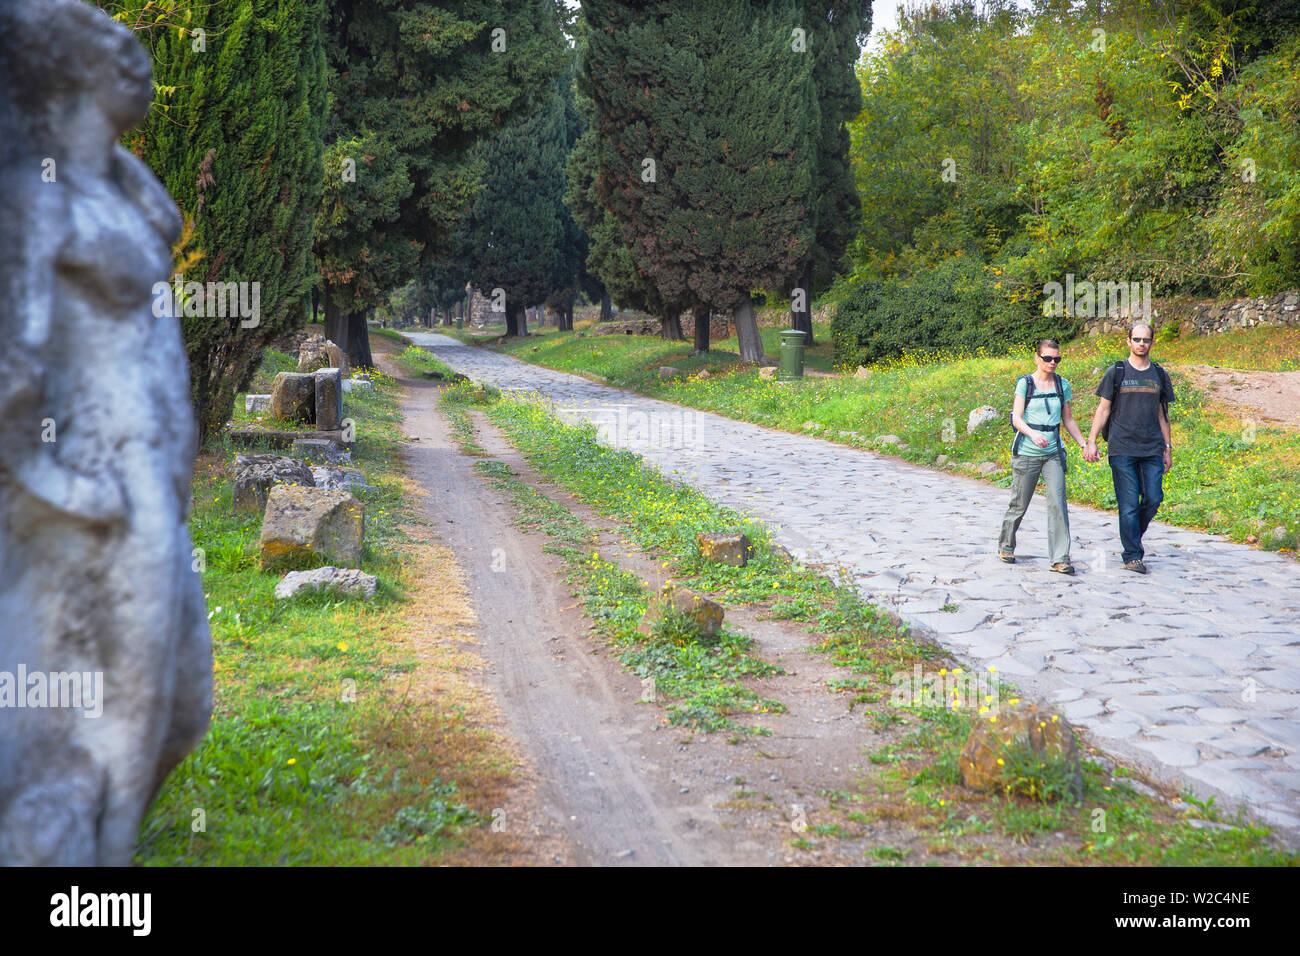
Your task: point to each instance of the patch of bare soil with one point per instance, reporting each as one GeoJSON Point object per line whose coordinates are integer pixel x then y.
{"type": "Point", "coordinates": [1273, 397]}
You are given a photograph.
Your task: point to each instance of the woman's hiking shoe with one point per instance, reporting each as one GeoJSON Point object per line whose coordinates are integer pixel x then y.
{"type": "Point", "coordinates": [1063, 568]}
{"type": "Point", "coordinates": [1008, 558]}
{"type": "Point", "coordinates": [1137, 566]}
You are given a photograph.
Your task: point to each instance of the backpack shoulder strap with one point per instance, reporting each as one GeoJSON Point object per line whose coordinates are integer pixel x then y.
{"type": "Point", "coordinates": [1060, 393]}
{"type": "Point", "coordinates": [1164, 380]}
{"type": "Point", "coordinates": [1029, 389]}
{"type": "Point", "coordinates": [1119, 380]}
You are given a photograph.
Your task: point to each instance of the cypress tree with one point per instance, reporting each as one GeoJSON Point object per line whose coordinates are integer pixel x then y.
{"type": "Point", "coordinates": [237, 142]}
{"type": "Point", "coordinates": [704, 118]}
{"type": "Point", "coordinates": [833, 31]}
{"type": "Point", "coordinates": [567, 279]}
{"type": "Point", "coordinates": [515, 232]}
{"type": "Point", "coordinates": [421, 82]}
{"type": "Point", "coordinates": [607, 260]}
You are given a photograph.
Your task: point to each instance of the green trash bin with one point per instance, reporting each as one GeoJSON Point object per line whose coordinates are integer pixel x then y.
{"type": "Point", "coordinates": [790, 356]}
{"type": "Point", "coordinates": [460, 323]}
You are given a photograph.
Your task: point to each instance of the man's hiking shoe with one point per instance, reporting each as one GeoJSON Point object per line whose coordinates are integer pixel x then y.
{"type": "Point", "coordinates": [1137, 566]}
{"type": "Point", "coordinates": [1008, 558]}
{"type": "Point", "coordinates": [1063, 568]}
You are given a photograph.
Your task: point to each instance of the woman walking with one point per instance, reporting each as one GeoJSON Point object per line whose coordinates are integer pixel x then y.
{"type": "Point", "coordinates": [1040, 410]}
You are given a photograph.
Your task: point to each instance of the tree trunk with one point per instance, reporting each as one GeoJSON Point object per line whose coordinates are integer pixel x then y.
{"type": "Point", "coordinates": [359, 342]}
{"type": "Point", "coordinates": [523, 322]}
{"type": "Point", "coordinates": [671, 329]}
{"type": "Point", "coordinates": [513, 314]}
{"type": "Point", "coordinates": [315, 303]}
{"type": "Point", "coordinates": [751, 344]}
{"type": "Point", "coordinates": [802, 320]}
{"type": "Point", "coordinates": [336, 322]}
{"type": "Point", "coordinates": [606, 308]}
{"type": "Point", "coordinates": [701, 331]}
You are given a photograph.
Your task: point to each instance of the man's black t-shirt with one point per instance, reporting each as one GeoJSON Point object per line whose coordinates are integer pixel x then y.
{"type": "Point", "coordinates": [1135, 417]}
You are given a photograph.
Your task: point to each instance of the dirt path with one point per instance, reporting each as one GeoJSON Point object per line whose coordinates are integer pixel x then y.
{"type": "Point", "coordinates": [605, 780]}
{"type": "Point", "coordinates": [1272, 396]}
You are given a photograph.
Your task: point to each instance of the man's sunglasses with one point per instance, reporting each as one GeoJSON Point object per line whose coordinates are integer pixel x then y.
{"type": "Point", "coordinates": [1139, 341]}
{"type": "Point", "coordinates": [1050, 358]}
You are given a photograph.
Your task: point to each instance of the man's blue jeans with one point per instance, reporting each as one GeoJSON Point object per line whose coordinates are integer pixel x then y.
{"type": "Point", "coordinates": [1138, 491]}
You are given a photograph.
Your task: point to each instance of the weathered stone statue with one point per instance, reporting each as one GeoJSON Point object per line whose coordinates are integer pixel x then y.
{"type": "Point", "coordinates": [105, 656]}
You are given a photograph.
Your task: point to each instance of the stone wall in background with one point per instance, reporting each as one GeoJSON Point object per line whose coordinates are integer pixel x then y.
{"type": "Point", "coordinates": [1208, 316]}
{"type": "Point", "coordinates": [480, 311]}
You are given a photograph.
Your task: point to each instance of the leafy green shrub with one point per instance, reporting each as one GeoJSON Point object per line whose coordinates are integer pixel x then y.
{"type": "Point", "coordinates": [951, 307]}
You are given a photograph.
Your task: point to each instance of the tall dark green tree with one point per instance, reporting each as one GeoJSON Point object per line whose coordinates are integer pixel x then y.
{"type": "Point", "coordinates": [514, 236]}
{"type": "Point", "coordinates": [704, 123]}
{"type": "Point", "coordinates": [417, 83]}
{"type": "Point", "coordinates": [568, 279]}
{"type": "Point", "coordinates": [834, 32]}
{"type": "Point", "coordinates": [608, 259]}
{"type": "Point", "coordinates": [608, 270]}
{"type": "Point", "coordinates": [237, 141]}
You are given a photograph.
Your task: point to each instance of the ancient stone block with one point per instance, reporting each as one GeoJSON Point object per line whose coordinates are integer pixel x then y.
{"type": "Point", "coordinates": [293, 397]}
{"type": "Point", "coordinates": [347, 581]}
{"type": "Point", "coordinates": [318, 352]}
{"type": "Point", "coordinates": [732, 549]}
{"type": "Point", "coordinates": [1036, 732]}
{"type": "Point", "coordinates": [329, 399]}
{"type": "Point", "coordinates": [320, 451]}
{"type": "Point", "coordinates": [304, 526]}
{"type": "Point", "coordinates": [705, 615]}
{"type": "Point", "coordinates": [256, 474]}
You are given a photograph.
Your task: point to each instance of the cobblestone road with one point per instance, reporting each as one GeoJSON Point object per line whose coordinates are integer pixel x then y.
{"type": "Point", "coordinates": [1192, 671]}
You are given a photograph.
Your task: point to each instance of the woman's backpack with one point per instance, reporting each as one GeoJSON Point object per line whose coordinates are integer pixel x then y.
{"type": "Point", "coordinates": [1030, 394]}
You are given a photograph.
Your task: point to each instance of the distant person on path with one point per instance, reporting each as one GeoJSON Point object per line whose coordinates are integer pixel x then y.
{"type": "Point", "coordinates": [1040, 409]}
{"type": "Point", "coordinates": [1135, 394]}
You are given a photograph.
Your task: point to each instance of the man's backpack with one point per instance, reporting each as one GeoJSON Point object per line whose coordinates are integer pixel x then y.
{"type": "Point", "coordinates": [1120, 367]}
{"type": "Point", "coordinates": [1030, 394]}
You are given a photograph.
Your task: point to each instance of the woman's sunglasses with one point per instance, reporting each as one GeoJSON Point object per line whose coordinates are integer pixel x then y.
{"type": "Point", "coordinates": [1050, 358]}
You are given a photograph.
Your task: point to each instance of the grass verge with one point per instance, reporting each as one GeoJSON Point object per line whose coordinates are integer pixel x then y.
{"type": "Point", "coordinates": [321, 750]}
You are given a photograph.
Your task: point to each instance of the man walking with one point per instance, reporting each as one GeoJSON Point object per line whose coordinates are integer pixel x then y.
{"type": "Point", "coordinates": [1135, 395]}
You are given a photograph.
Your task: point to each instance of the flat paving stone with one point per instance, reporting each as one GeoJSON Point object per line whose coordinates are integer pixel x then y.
{"type": "Point", "coordinates": [1086, 707]}
{"type": "Point", "coordinates": [1171, 752]}
{"type": "Point", "coordinates": [1209, 610]}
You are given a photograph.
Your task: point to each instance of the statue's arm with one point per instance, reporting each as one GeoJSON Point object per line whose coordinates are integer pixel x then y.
{"type": "Point", "coordinates": [29, 244]}
{"type": "Point", "coordinates": [35, 230]}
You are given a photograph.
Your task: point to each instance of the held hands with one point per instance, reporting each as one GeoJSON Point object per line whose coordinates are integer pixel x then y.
{"type": "Point", "coordinates": [1090, 452]}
